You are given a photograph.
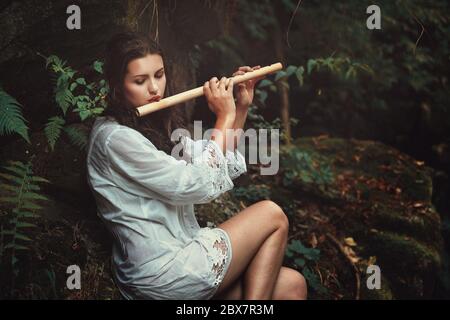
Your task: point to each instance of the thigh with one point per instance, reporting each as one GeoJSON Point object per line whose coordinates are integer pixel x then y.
{"type": "Point", "coordinates": [247, 231]}
{"type": "Point", "coordinates": [235, 291]}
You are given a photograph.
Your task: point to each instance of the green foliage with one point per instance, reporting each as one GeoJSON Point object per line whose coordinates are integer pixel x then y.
{"type": "Point", "coordinates": [258, 17]}
{"type": "Point", "coordinates": [76, 135]}
{"type": "Point", "coordinates": [252, 193]}
{"type": "Point", "coordinates": [53, 130]}
{"type": "Point", "coordinates": [20, 194]}
{"type": "Point", "coordinates": [304, 259]}
{"type": "Point", "coordinates": [340, 66]}
{"type": "Point", "coordinates": [300, 166]}
{"type": "Point", "coordinates": [70, 92]}
{"type": "Point", "coordinates": [74, 93]}
{"type": "Point", "coordinates": [11, 118]}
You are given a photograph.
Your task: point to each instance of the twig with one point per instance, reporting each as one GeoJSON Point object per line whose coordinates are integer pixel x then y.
{"type": "Point", "coordinates": [290, 23]}
{"type": "Point", "coordinates": [357, 277]}
{"type": "Point", "coordinates": [421, 33]}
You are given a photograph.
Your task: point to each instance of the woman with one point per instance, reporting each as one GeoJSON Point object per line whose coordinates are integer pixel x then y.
{"type": "Point", "coordinates": [146, 197]}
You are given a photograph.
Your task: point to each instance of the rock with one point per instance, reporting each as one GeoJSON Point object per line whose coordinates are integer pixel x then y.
{"type": "Point", "coordinates": [378, 196]}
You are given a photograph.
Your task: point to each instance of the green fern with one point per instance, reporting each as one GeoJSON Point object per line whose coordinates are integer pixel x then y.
{"type": "Point", "coordinates": [87, 99]}
{"type": "Point", "coordinates": [53, 130]}
{"type": "Point", "coordinates": [77, 136]}
{"type": "Point", "coordinates": [63, 77]}
{"type": "Point", "coordinates": [11, 118]}
{"type": "Point", "coordinates": [19, 194]}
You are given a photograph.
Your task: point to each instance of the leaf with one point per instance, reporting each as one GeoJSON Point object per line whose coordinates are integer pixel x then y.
{"type": "Point", "coordinates": [98, 66]}
{"type": "Point", "coordinates": [31, 206]}
{"type": "Point", "coordinates": [350, 242]}
{"type": "Point", "coordinates": [11, 118]}
{"type": "Point", "coordinates": [299, 75]}
{"type": "Point", "coordinates": [34, 196]}
{"type": "Point", "coordinates": [265, 83]}
{"type": "Point", "coordinates": [64, 98]}
{"type": "Point", "coordinates": [310, 65]}
{"type": "Point", "coordinates": [300, 262]}
{"type": "Point", "coordinates": [9, 199]}
{"type": "Point", "coordinates": [263, 96]}
{"type": "Point", "coordinates": [16, 170]}
{"type": "Point", "coordinates": [53, 130]}
{"type": "Point", "coordinates": [291, 70]}
{"type": "Point", "coordinates": [25, 225]}
{"type": "Point", "coordinates": [280, 74]}
{"type": "Point", "coordinates": [16, 246]}
{"type": "Point", "coordinates": [81, 81]}
{"type": "Point", "coordinates": [84, 115]}
{"type": "Point", "coordinates": [76, 136]}
{"type": "Point", "coordinates": [22, 237]}
{"type": "Point", "coordinates": [39, 179]}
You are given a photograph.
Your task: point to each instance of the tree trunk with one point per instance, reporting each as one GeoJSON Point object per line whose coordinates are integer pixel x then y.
{"type": "Point", "coordinates": [282, 84]}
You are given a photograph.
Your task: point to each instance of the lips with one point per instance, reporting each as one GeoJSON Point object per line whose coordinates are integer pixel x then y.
{"type": "Point", "coordinates": [154, 99]}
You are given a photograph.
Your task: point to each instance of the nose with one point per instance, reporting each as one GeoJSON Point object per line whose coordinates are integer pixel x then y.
{"type": "Point", "coordinates": [152, 87]}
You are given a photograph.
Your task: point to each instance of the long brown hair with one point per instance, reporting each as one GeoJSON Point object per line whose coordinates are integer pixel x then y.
{"type": "Point", "coordinates": [158, 126]}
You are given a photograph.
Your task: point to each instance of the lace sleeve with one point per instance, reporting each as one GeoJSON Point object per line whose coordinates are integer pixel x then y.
{"type": "Point", "coordinates": [235, 160]}
{"type": "Point", "coordinates": [213, 156]}
{"type": "Point", "coordinates": [235, 163]}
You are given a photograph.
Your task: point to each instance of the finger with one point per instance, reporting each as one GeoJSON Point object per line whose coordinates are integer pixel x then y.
{"type": "Point", "coordinates": [245, 68]}
{"type": "Point", "coordinates": [237, 73]}
{"type": "Point", "coordinates": [213, 84]}
{"type": "Point", "coordinates": [230, 85]}
{"type": "Point", "coordinates": [206, 89]}
{"type": "Point", "coordinates": [222, 83]}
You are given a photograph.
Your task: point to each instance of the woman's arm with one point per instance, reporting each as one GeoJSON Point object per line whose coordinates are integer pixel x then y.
{"type": "Point", "coordinates": [244, 98]}
{"type": "Point", "coordinates": [223, 125]}
{"type": "Point", "coordinates": [219, 95]}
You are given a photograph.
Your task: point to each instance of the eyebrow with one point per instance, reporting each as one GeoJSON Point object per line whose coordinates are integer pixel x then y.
{"type": "Point", "coordinates": [144, 75]}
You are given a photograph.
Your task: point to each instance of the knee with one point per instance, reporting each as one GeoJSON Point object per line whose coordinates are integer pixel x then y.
{"type": "Point", "coordinates": [276, 214]}
{"type": "Point", "coordinates": [298, 287]}
{"type": "Point", "coordinates": [301, 288]}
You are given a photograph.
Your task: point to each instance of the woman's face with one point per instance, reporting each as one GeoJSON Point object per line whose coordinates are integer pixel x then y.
{"type": "Point", "coordinates": [145, 80]}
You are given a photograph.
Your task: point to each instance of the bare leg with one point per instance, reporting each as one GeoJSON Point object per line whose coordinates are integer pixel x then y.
{"type": "Point", "coordinates": [290, 285]}
{"type": "Point", "coordinates": [258, 238]}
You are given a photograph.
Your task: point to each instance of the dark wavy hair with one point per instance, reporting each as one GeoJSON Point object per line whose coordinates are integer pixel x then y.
{"type": "Point", "coordinates": [157, 126]}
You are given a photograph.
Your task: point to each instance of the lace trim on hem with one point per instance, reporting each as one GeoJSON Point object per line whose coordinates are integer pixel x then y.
{"type": "Point", "coordinates": [217, 255]}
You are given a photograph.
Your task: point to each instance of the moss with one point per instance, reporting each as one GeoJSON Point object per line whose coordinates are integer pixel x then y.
{"type": "Point", "coordinates": [399, 253]}
{"type": "Point", "coordinates": [384, 293]}
{"type": "Point", "coordinates": [423, 227]}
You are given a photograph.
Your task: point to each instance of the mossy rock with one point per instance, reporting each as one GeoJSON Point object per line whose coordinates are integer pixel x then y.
{"type": "Point", "coordinates": [377, 195]}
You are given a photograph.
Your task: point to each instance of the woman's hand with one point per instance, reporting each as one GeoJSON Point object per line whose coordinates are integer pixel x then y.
{"type": "Point", "coordinates": [219, 95]}
{"type": "Point", "coordinates": [246, 90]}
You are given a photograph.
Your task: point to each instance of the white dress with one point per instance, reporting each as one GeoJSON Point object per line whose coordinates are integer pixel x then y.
{"type": "Point", "coordinates": [146, 199]}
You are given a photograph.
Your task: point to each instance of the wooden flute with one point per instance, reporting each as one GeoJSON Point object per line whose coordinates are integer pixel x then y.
{"type": "Point", "coordinates": [197, 92]}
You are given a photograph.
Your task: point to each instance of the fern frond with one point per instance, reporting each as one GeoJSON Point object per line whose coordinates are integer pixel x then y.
{"type": "Point", "coordinates": [11, 178]}
{"type": "Point", "coordinates": [11, 118]}
{"type": "Point", "coordinates": [53, 130]}
{"type": "Point", "coordinates": [19, 171]}
{"type": "Point", "coordinates": [39, 179]}
{"type": "Point", "coordinates": [21, 184]}
{"type": "Point", "coordinates": [78, 137]}
{"type": "Point", "coordinates": [34, 196]}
